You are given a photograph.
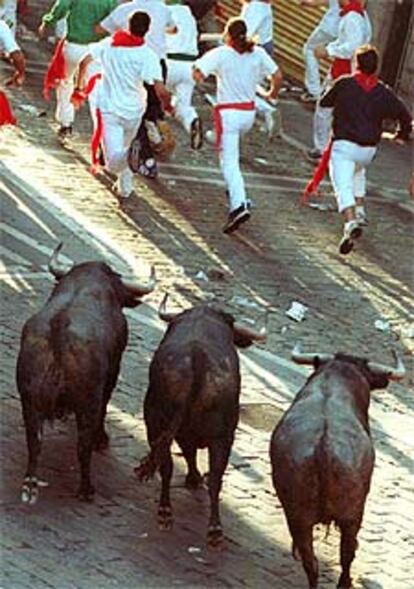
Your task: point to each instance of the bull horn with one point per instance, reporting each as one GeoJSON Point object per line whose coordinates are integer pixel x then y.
{"type": "Point", "coordinates": [300, 358]}
{"type": "Point", "coordinates": [257, 336]}
{"type": "Point", "coordinates": [55, 268]}
{"type": "Point", "coordinates": [393, 373]}
{"type": "Point", "coordinates": [137, 289]}
{"type": "Point", "coordinates": [162, 311]}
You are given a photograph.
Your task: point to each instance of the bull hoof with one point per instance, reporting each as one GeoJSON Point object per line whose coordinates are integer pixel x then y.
{"type": "Point", "coordinates": [193, 480]}
{"type": "Point", "coordinates": [345, 582]}
{"type": "Point", "coordinates": [215, 538]}
{"type": "Point", "coordinates": [86, 493]}
{"type": "Point", "coordinates": [30, 490]}
{"type": "Point", "coordinates": [165, 518]}
{"type": "Point", "coordinates": [102, 441]}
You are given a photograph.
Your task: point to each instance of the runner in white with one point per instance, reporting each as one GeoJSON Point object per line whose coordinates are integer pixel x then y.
{"type": "Point", "coordinates": [354, 30]}
{"type": "Point", "coordinates": [257, 14]}
{"type": "Point", "coordinates": [182, 51]}
{"type": "Point", "coordinates": [127, 63]}
{"type": "Point", "coordinates": [239, 66]}
{"type": "Point", "coordinates": [160, 16]}
{"type": "Point", "coordinates": [325, 32]}
{"type": "Point", "coordinates": [157, 40]}
{"type": "Point", "coordinates": [9, 46]}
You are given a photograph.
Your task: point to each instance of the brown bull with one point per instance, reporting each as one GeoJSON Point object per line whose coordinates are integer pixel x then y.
{"type": "Point", "coordinates": [322, 454]}
{"type": "Point", "coordinates": [193, 397]}
{"type": "Point", "coordinates": [69, 360]}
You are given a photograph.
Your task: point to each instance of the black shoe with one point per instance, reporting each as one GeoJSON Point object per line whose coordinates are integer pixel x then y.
{"type": "Point", "coordinates": [236, 218]}
{"type": "Point", "coordinates": [196, 132]}
{"type": "Point", "coordinates": [64, 132]}
{"type": "Point", "coordinates": [307, 97]}
{"type": "Point", "coordinates": [314, 155]}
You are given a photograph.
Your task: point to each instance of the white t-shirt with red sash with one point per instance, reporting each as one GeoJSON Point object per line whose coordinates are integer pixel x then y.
{"type": "Point", "coordinates": [237, 77]}
{"type": "Point", "coordinates": [354, 30]}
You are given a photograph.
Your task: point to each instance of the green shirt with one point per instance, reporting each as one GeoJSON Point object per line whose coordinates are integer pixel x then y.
{"type": "Point", "coordinates": [82, 17]}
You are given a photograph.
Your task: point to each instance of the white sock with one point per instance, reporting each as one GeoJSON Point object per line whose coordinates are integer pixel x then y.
{"type": "Point", "coordinates": [360, 210]}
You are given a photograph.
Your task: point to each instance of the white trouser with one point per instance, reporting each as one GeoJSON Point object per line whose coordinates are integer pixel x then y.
{"type": "Point", "coordinates": [322, 120]}
{"type": "Point", "coordinates": [73, 53]}
{"type": "Point", "coordinates": [312, 76]}
{"type": "Point", "coordinates": [180, 82]}
{"type": "Point", "coordinates": [235, 124]}
{"type": "Point", "coordinates": [347, 169]}
{"type": "Point", "coordinates": [118, 134]}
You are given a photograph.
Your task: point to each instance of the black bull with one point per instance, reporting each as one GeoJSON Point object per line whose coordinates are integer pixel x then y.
{"type": "Point", "coordinates": [322, 454]}
{"type": "Point", "coordinates": [193, 397]}
{"type": "Point", "coordinates": [69, 360]}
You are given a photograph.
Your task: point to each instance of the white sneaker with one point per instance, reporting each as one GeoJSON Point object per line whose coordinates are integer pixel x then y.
{"type": "Point", "coordinates": [122, 196]}
{"type": "Point", "coordinates": [352, 231]}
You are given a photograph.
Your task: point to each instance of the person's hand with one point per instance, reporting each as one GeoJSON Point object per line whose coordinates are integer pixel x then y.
{"type": "Point", "coordinates": [41, 31]}
{"type": "Point", "coordinates": [320, 52]}
{"type": "Point", "coordinates": [16, 80]}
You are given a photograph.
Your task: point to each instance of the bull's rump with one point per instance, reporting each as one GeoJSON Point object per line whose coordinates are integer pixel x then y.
{"type": "Point", "coordinates": [202, 385]}
{"type": "Point", "coordinates": [321, 468]}
{"type": "Point", "coordinates": [63, 360]}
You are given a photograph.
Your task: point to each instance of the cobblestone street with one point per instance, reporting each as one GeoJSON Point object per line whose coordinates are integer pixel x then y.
{"type": "Point", "coordinates": [284, 254]}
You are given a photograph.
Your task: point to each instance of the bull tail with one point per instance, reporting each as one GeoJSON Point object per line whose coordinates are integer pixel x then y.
{"type": "Point", "coordinates": [323, 476]}
{"type": "Point", "coordinates": [161, 446]}
{"type": "Point", "coordinates": [159, 450]}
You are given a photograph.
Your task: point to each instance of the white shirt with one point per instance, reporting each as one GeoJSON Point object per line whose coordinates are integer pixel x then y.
{"type": "Point", "coordinates": [237, 73]}
{"type": "Point", "coordinates": [185, 39]}
{"type": "Point", "coordinates": [259, 20]}
{"type": "Point", "coordinates": [7, 40]}
{"type": "Point", "coordinates": [354, 30]}
{"type": "Point", "coordinates": [160, 19]}
{"type": "Point", "coordinates": [124, 71]}
{"type": "Point", "coordinates": [330, 21]}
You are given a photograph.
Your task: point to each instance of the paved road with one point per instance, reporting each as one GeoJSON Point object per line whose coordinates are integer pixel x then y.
{"type": "Point", "coordinates": [47, 195]}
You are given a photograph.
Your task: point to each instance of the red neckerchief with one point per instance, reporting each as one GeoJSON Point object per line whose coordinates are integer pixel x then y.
{"type": "Point", "coordinates": [367, 81]}
{"type": "Point", "coordinates": [126, 39]}
{"type": "Point", "coordinates": [56, 71]}
{"type": "Point", "coordinates": [353, 6]}
{"type": "Point", "coordinates": [6, 114]}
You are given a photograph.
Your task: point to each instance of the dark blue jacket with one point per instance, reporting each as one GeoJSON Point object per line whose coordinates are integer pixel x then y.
{"type": "Point", "coordinates": [358, 115]}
